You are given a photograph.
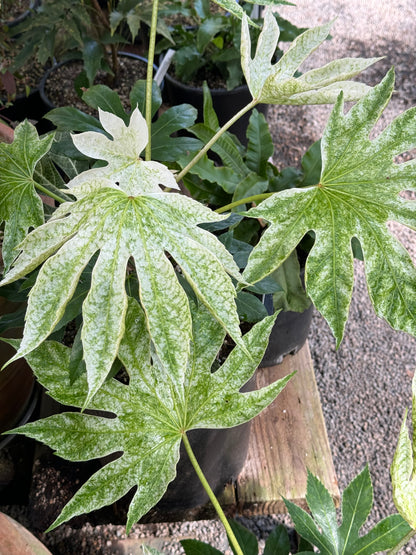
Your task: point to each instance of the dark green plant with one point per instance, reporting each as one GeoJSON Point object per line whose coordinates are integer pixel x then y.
{"type": "Point", "coordinates": [59, 30]}
{"type": "Point", "coordinates": [207, 42]}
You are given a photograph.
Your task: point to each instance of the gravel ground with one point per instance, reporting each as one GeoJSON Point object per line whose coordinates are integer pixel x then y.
{"type": "Point", "coordinates": [366, 384]}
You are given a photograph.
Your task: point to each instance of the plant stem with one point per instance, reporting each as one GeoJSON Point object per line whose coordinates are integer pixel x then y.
{"type": "Point", "coordinates": [149, 77]}
{"type": "Point", "coordinates": [402, 543]}
{"type": "Point", "coordinates": [45, 191]}
{"type": "Point", "coordinates": [211, 495]}
{"type": "Point", "coordinates": [254, 198]}
{"type": "Point", "coordinates": [214, 139]}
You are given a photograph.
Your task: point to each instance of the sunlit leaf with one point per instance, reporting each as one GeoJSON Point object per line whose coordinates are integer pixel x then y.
{"type": "Point", "coordinates": [277, 84]}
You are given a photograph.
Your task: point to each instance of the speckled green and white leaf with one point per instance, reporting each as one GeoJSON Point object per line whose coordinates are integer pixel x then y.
{"type": "Point", "coordinates": [149, 226]}
{"type": "Point", "coordinates": [125, 167]}
{"type": "Point", "coordinates": [358, 194]}
{"type": "Point", "coordinates": [20, 205]}
{"type": "Point", "coordinates": [145, 419]}
{"type": "Point", "coordinates": [403, 468]}
{"type": "Point", "coordinates": [276, 84]}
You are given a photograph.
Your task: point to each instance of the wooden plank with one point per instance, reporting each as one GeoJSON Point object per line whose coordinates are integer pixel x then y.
{"type": "Point", "coordinates": [286, 439]}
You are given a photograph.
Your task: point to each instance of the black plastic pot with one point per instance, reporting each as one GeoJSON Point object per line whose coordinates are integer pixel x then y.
{"type": "Point", "coordinates": [13, 22]}
{"type": "Point", "coordinates": [288, 334]}
{"type": "Point", "coordinates": [25, 107]}
{"type": "Point", "coordinates": [48, 103]}
{"type": "Point", "coordinates": [221, 455]}
{"type": "Point", "coordinates": [226, 103]}
{"type": "Point", "coordinates": [18, 395]}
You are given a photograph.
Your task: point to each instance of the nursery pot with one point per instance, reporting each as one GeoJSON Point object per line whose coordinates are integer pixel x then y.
{"type": "Point", "coordinates": [50, 103]}
{"type": "Point", "coordinates": [17, 384]}
{"type": "Point", "coordinates": [226, 103]}
{"type": "Point", "coordinates": [288, 334]}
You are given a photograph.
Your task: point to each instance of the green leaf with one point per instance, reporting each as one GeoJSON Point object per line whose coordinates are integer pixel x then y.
{"type": "Point", "coordinates": [358, 193]}
{"type": "Point", "coordinates": [322, 530]}
{"type": "Point", "coordinates": [138, 97]}
{"type": "Point", "coordinates": [207, 31]}
{"type": "Point", "coordinates": [206, 169]}
{"type": "Point", "coordinates": [121, 213]}
{"type": "Point", "coordinates": [225, 147]}
{"type": "Point", "coordinates": [69, 118]}
{"type": "Point", "coordinates": [260, 144]}
{"type": "Point", "coordinates": [276, 84]}
{"type": "Point", "coordinates": [292, 295]}
{"type": "Point", "coordinates": [306, 527]}
{"type": "Point", "coordinates": [385, 535]}
{"type": "Point", "coordinates": [195, 547]}
{"type": "Point", "coordinates": [167, 148]}
{"type": "Point", "coordinates": [245, 538]}
{"type": "Point", "coordinates": [101, 96]}
{"type": "Point", "coordinates": [151, 413]}
{"type": "Point", "coordinates": [251, 185]}
{"type": "Point", "coordinates": [92, 54]}
{"type": "Point", "coordinates": [20, 205]}
{"type": "Point", "coordinates": [311, 165]}
{"type": "Point", "coordinates": [277, 542]}
{"type": "Point", "coordinates": [403, 468]}
{"type": "Point", "coordinates": [250, 308]}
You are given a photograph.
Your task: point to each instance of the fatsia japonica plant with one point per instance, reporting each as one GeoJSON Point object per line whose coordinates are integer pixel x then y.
{"type": "Point", "coordinates": [138, 265]}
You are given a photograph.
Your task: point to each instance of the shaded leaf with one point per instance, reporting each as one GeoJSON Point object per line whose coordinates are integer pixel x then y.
{"type": "Point", "coordinates": [195, 547]}
{"type": "Point", "coordinates": [259, 145]}
{"type": "Point", "coordinates": [292, 295]}
{"type": "Point", "coordinates": [358, 193]}
{"type": "Point", "coordinates": [277, 542]}
{"type": "Point", "coordinates": [245, 538]}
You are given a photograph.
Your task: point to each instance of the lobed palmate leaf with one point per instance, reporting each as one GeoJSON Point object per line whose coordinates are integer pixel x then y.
{"type": "Point", "coordinates": [122, 214]}
{"type": "Point", "coordinates": [20, 205]}
{"type": "Point", "coordinates": [277, 84]}
{"type": "Point", "coordinates": [151, 413]}
{"type": "Point", "coordinates": [357, 195]}
{"type": "Point", "coordinates": [403, 468]}
{"type": "Point", "coordinates": [321, 529]}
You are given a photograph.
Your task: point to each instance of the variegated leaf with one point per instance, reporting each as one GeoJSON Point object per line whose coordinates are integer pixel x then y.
{"type": "Point", "coordinates": [358, 194]}
{"type": "Point", "coordinates": [151, 413]}
{"type": "Point", "coordinates": [20, 205]}
{"type": "Point", "coordinates": [122, 213]}
{"type": "Point", "coordinates": [403, 468]}
{"type": "Point", "coordinates": [276, 84]}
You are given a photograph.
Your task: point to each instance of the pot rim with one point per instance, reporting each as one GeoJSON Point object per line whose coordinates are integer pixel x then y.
{"type": "Point", "coordinates": [43, 95]}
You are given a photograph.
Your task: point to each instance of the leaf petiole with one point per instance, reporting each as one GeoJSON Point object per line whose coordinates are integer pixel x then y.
{"type": "Point", "coordinates": [254, 198]}
{"type": "Point", "coordinates": [46, 191]}
{"type": "Point", "coordinates": [214, 139]}
{"type": "Point", "coordinates": [211, 495]}
{"type": "Point", "coordinates": [149, 77]}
